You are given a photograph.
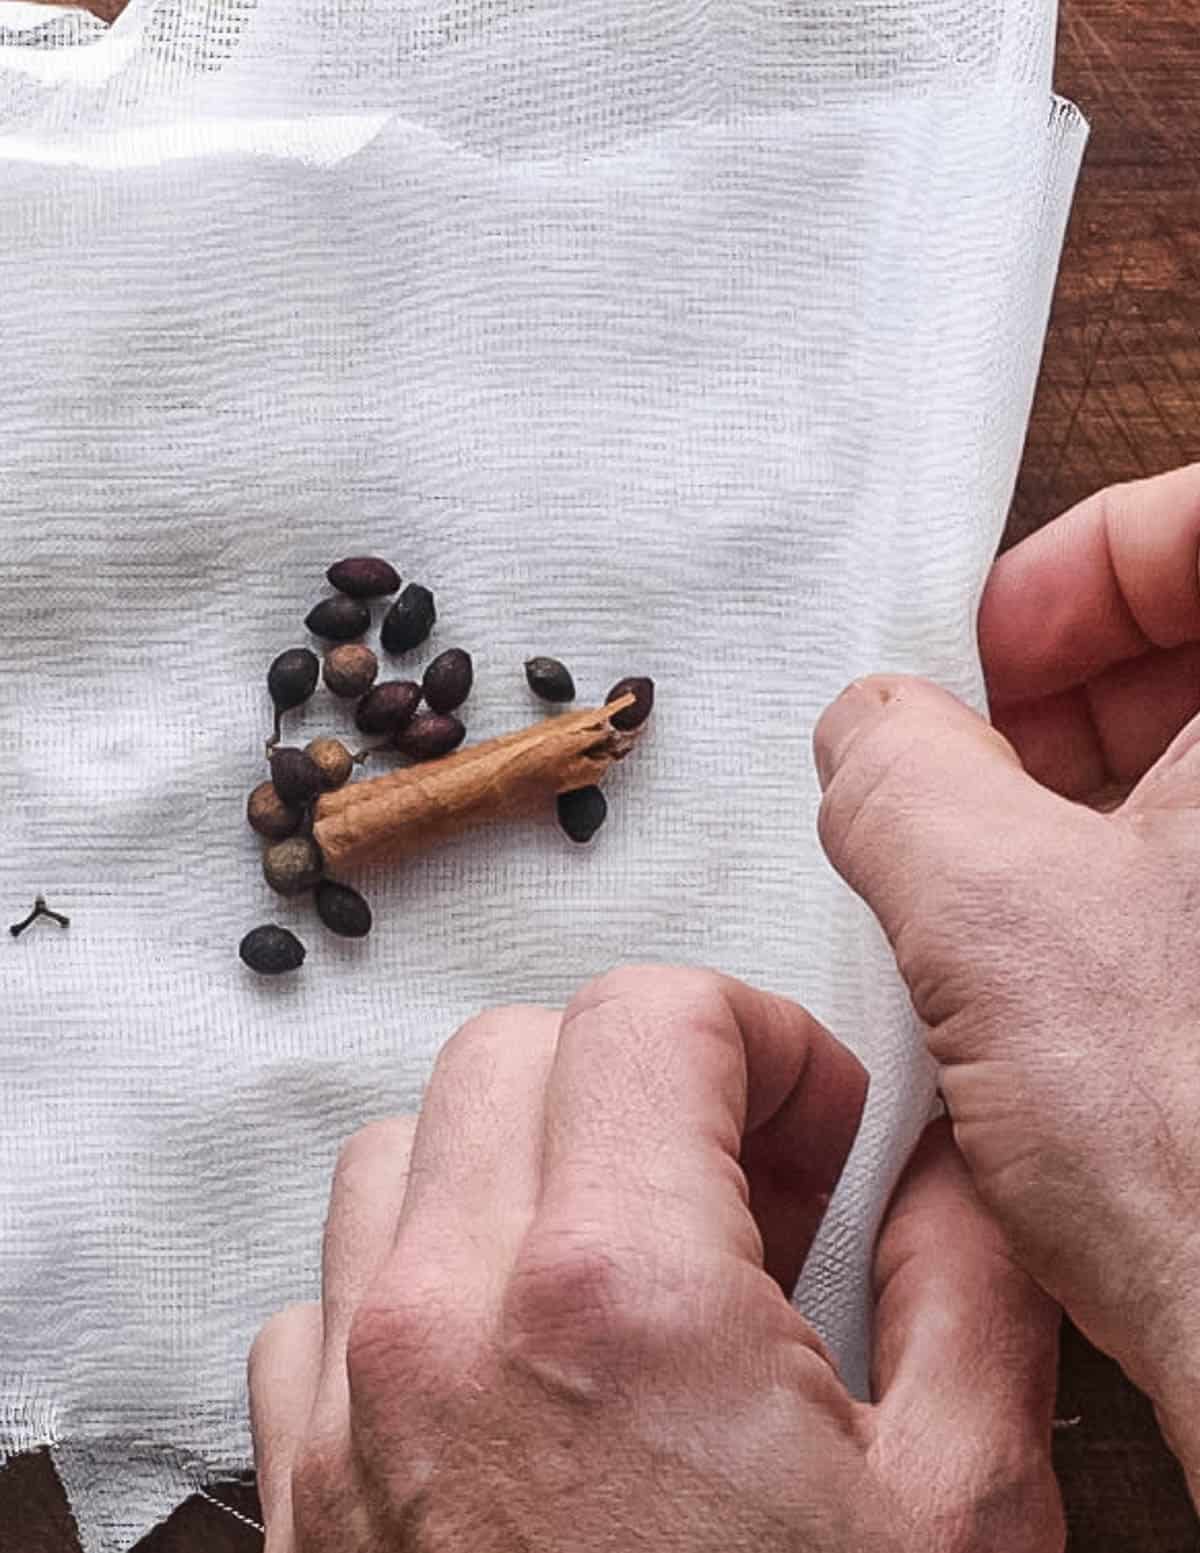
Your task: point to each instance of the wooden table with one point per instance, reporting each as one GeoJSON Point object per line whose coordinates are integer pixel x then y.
{"type": "Point", "coordinates": [1120, 398]}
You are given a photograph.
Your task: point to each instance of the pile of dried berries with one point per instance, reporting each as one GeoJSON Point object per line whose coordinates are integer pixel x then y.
{"type": "Point", "coordinates": [281, 809]}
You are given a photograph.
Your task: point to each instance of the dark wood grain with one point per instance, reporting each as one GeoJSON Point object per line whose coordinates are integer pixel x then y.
{"type": "Point", "coordinates": [1120, 387]}
{"type": "Point", "coordinates": [1119, 398]}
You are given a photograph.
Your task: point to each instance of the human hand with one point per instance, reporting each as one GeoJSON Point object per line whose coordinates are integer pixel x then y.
{"type": "Point", "coordinates": [1051, 950]}
{"type": "Point", "coordinates": [563, 1323]}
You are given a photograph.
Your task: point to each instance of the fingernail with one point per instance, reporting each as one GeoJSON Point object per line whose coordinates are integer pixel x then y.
{"type": "Point", "coordinates": [842, 722]}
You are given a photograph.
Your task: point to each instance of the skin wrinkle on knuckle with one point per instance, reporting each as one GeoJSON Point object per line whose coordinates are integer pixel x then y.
{"type": "Point", "coordinates": [1011, 1507]}
{"type": "Point", "coordinates": [566, 1284]}
{"type": "Point", "coordinates": [629, 990]}
{"type": "Point", "coordinates": [585, 1318]}
{"type": "Point", "coordinates": [414, 1337]}
{"type": "Point", "coordinates": [994, 1491]}
{"type": "Point", "coordinates": [635, 1006]}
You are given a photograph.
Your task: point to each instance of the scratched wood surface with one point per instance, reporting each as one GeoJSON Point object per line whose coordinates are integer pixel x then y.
{"type": "Point", "coordinates": [1119, 398]}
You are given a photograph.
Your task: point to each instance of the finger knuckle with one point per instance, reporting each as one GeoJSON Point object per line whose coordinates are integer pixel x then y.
{"type": "Point", "coordinates": [1012, 1507]}
{"type": "Point", "coordinates": [421, 1334]}
{"type": "Point", "coordinates": [573, 1294]}
{"type": "Point", "coordinates": [485, 1033]}
{"type": "Point", "coordinates": [281, 1333]}
{"type": "Point", "coordinates": [632, 989]}
{"type": "Point", "coordinates": [388, 1342]}
{"type": "Point", "coordinates": [383, 1139]}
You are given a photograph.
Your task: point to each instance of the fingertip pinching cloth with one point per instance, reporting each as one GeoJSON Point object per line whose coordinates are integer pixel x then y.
{"type": "Point", "coordinates": [695, 340]}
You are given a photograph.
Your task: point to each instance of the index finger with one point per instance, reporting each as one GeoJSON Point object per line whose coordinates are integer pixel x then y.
{"type": "Point", "coordinates": [1117, 576]}
{"type": "Point", "coordinates": [666, 1082]}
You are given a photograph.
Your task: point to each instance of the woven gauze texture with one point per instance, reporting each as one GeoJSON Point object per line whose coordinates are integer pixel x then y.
{"type": "Point", "coordinates": [687, 339]}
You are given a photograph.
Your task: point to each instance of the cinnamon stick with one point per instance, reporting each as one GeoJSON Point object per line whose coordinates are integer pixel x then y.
{"type": "Point", "coordinates": [517, 773]}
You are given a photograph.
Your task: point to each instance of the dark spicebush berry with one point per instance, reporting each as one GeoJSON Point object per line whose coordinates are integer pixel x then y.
{"type": "Point", "coordinates": [271, 950]}
{"type": "Point", "coordinates": [389, 707]}
{"type": "Point", "coordinates": [582, 812]}
{"type": "Point", "coordinates": [338, 619]}
{"type": "Point", "coordinates": [409, 621]}
{"type": "Point", "coordinates": [291, 679]}
{"type": "Point", "coordinates": [448, 679]}
{"type": "Point", "coordinates": [269, 815]}
{"type": "Point", "coordinates": [343, 910]}
{"type": "Point", "coordinates": [334, 761]}
{"type": "Point", "coordinates": [430, 735]}
{"type": "Point", "coordinates": [290, 867]}
{"type": "Point", "coordinates": [549, 679]}
{"type": "Point", "coordinates": [642, 690]}
{"type": "Point", "coordinates": [363, 577]}
{"type": "Point", "coordinates": [296, 776]}
{"type": "Point", "coordinates": [350, 670]}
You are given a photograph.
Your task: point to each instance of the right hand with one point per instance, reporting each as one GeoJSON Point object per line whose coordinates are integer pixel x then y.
{"type": "Point", "coordinates": [1053, 951]}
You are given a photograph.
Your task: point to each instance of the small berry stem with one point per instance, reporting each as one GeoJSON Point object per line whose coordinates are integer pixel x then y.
{"type": "Point", "coordinates": [40, 909]}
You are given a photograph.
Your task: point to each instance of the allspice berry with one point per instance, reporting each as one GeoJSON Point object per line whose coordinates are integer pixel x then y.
{"type": "Point", "coordinates": [350, 670]}
{"type": "Point", "coordinates": [430, 735]}
{"type": "Point", "coordinates": [290, 867]}
{"type": "Point", "coordinates": [364, 577]}
{"type": "Point", "coordinates": [343, 910]}
{"type": "Point", "coordinates": [582, 812]}
{"type": "Point", "coordinates": [291, 679]}
{"type": "Point", "coordinates": [339, 619]}
{"type": "Point", "coordinates": [409, 621]}
{"type": "Point", "coordinates": [269, 815]}
{"type": "Point", "coordinates": [642, 690]}
{"type": "Point", "coordinates": [333, 760]}
{"type": "Point", "coordinates": [296, 776]}
{"type": "Point", "coordinates": [549, 679]}
{"type": "Point", "coordinates": [448, 679]}
{"type": "Point", "coordinates": [271, 950]}
{"type": "Point", "coordinates": [389, 707]}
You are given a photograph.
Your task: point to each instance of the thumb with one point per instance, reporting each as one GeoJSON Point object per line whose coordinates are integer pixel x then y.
{"type": "Point", "coordinates": [965, 1367]}
{"type": "Point", "coordinates": [927, 811]}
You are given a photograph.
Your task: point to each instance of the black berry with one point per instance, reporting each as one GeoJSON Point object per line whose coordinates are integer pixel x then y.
{"type": "Point", "coordinates": [364, 577]}
{"type": "Point", "coordinates": [642, 691]}
{"type": "Point", "coordinates": [582, 812]}
{"type": "Point", "coordinates": [271, 950]}
{"type": "Point", "coordinates": [448, 679]}
{"type": "Point", "coordinates": [409, 621]}
{"type": "Point", "coordinates": [343, 910]}
{"type": "Point", "coordinates": [430, 735]}
{"type": "Point", "coordinates": [338, 619]}
{"type": "Point", "coordinates": [389, 707]}
{"type": "Point", "coordinates": [296, 776]}
{"type": "Point", "coordinates": [292, 678]}
{"type": "Point", "coordinates": [549, 679]}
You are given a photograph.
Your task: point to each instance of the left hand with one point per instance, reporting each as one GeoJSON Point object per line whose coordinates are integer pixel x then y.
{"type": "Point", "coordinates": [565, 1324]}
